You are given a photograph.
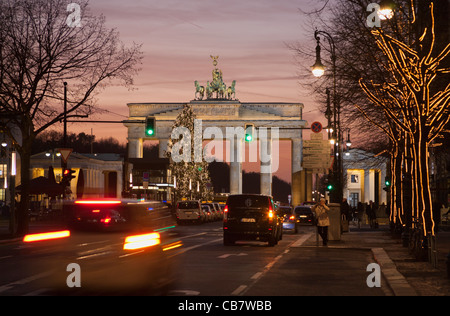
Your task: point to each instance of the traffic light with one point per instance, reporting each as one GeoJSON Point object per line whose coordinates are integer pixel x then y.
{"type": "Point", "coordinates": [330, 187]}
{"type": "Point", "coordinates": [150, 127]}
{"type": "Point", "coordinates": [68, 175]}
{"type": "Point", "coordinates": [249, 129]}
{"type": "Point", "coordinates": [387, 181]}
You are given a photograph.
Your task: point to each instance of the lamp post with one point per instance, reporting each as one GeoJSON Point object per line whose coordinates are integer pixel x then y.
{"type": "Point", "coordinates": [318, 70]}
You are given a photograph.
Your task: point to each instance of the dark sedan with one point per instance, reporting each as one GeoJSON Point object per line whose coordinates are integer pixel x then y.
{"type": "Point", "coordinates": [304, 215]}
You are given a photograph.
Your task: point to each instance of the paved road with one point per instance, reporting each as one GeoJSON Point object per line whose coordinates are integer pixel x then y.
{"type": "Point", "coordinates": [208, 268]}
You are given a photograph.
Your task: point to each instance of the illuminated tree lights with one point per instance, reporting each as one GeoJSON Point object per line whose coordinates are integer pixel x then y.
{"type": "Point", "coordinates": [415, 113]}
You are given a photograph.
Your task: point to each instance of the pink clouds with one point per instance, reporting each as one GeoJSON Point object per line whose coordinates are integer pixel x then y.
{"type": "Point", "coordinates": [178, 36]}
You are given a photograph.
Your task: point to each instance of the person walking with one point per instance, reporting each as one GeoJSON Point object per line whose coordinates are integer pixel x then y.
{"type": "Point", "coordinates": [323, 221]}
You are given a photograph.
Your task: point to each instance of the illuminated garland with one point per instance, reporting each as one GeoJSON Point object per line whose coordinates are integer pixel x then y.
{"type": "Point", "coordinates": [409, 108]}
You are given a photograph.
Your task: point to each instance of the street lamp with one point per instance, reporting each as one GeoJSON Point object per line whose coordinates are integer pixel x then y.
{"type": "Point", "coordinates": [386, 11]}
{"type": "Point", "coordinates": [318, 69]}
{"type": "Point", "coordinates": [348, 143]}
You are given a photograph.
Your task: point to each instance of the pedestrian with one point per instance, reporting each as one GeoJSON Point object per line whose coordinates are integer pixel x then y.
{"type": "Point", "coordinates": [371, 211]}
{"type": "Point", "coordinates": [345, 214]}
{"type": "Point", "coordinates": [345, 209]}
{"type": "Point", "coordinates": [323, 221]}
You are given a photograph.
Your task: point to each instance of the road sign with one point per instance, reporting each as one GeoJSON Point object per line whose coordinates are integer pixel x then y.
{"type": "Point", "coordinates": [65, 153]}
{"type": "Point", "coordinates": [316, 127]}
{"type": "Point", "coordinates": [316, 152]}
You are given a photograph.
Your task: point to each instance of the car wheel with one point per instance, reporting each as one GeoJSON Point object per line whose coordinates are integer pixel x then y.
{"type": "Point", "coordinates": [272, 241]}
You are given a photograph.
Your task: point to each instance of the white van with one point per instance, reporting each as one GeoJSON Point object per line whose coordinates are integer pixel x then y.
{"type": "Point", "coordinates": [190, 211]}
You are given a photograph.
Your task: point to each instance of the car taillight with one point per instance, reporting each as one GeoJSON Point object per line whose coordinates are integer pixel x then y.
{"type": "Point", "coordinates": [46, 236]}
{"type": "Point", "coordinates": [106, 220]}
{"type": "Point", "coordinates": [225, 214]}
{"type": "Point", "coordinates": [141, 241]}
{"type": "Point", "coordinates": [292, 217]}
{"type": "Point", "coordinates": [102, 202]}
{"type": "Point", "coordinates": [271, 214]}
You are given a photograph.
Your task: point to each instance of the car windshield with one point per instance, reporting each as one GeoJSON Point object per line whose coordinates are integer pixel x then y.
{"type": "Point", "coordinates": [189, 204]}
{"type": "Point", "coordinates": [303, 210]}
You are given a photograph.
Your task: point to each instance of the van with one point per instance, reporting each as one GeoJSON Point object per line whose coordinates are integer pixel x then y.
{"type": "Point", "coordinates": [251, 217]}
{"type": "Point", "coordinates": [190, 211]}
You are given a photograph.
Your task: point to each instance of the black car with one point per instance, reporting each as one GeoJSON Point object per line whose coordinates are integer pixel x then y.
{"type": "Point", "coordinates": [304, 214]}
{"type": "Point", "coordinates": [251, 217]}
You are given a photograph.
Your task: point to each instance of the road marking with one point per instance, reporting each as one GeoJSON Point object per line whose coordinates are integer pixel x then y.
{"type": "Point", "coordinates": [183, 293]}
{"type": "Point", "coordinates": [239, 290]}
{"type": "Point", "coordinates": [243, 288]}
{"type": "Point", "coordinates": [32, 278]}
{"type": "Point", "coordinates": [232, 254]}
{"type": "Point", "coordinates": [183, 250]}
{"type": "Point", "coordinates": [300, 241]}
{"type": "Point", "coordinates": [256, 276]}
{"type": "Point", "coordinates": [195, 235]}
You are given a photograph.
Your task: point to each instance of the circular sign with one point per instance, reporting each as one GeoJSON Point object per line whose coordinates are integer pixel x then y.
{"type": "Point", "coordinates": [316, 127]}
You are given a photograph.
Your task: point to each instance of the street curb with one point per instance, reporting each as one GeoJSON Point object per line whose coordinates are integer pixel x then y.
{"type": "Point", "coordinates": [396, 280]}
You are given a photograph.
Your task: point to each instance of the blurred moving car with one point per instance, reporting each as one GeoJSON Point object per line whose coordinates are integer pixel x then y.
{"type": "Point", "coordinates": [119, 246]}
{"type": "Point", "coordinates": [251, 217]}
{"type": "Point", "coordinates": [304, 215]}
{"type": "Point", "coordinates": [190, 211]}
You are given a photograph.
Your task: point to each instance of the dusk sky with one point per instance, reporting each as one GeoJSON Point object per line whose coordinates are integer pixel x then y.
{"type": "Point", "coordinates": [178, 37]}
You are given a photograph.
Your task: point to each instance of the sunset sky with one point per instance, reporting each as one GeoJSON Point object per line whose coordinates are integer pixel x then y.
{"type": "Point", "coordinates": [178, 37]}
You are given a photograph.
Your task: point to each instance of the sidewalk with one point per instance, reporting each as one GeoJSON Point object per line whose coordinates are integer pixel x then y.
{"type": "Point", "coordinates": [404, 274]}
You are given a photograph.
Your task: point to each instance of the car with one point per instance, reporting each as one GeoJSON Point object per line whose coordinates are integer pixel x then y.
{"type": "Point", "coordinates": [304, 215]}
{"type": "Point", "coordinates": [117, 246]}
{"type": "Point", "coordinates": [209, 214]}
{"type": "Point", "coordinates": [289, 222]}
{"type": "Point", "coordinates": [214, 211]}
{"type": "Point", "coordinates": [251, 217]}
{"type": "Point", "coordinates": [190, 211]}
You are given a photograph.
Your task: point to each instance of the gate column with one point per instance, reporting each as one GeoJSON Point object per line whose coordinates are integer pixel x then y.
{"type": "Point", "coordinates": [297, 174]}
{"type": "Point", "coordinates": [236, 165]}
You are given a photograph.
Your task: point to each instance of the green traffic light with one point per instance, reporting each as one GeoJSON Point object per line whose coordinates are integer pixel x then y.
{"type": "Point", "coordinates": [150, 132]}
{"type": "Point", "coordinates": [248, 138]}
{"type": "Point", "coordinates": [330, 187]}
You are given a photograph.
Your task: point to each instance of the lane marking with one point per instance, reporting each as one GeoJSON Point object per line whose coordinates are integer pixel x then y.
{"type": "Point", "coordinates": [32, 278]}
{"type": "Point", "coordinates": [300, 241]}
{"type": "Point", "coordinates": [256, 276]}
{"type": "Point", "coordinates": [244, 288]}
{"type": "Point", "coordinates": [239, 290]}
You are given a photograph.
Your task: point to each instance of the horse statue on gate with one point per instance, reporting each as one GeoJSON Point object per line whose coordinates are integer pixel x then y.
{"type": "Point", "coordinates": [231, 91]}
{"type": "Point", "coordinates": [199, 90]}
{"type": "Point", "coordinates": [222, 92]}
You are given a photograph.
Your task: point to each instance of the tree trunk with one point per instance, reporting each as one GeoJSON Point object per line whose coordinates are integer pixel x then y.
{"type": "Point", "coordinates": [422, 185]}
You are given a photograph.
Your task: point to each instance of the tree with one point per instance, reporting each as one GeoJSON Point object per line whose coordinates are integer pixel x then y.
{"type": "Point", "coordinates": [187, 166]}
{"type": "Point", "coordinates": [396, 78]}
{"type": "Point", "coordinates": [43, 44]}
{"type": "Point", "coordinates": [410, 103]}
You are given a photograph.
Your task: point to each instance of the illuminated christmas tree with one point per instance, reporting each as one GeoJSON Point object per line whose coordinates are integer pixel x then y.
{"type": "Point", "coordinates": [189, 169]}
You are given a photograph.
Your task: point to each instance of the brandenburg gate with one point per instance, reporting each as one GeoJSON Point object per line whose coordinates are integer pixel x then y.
{"type": "Point", "coordinates": [215, 104]}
